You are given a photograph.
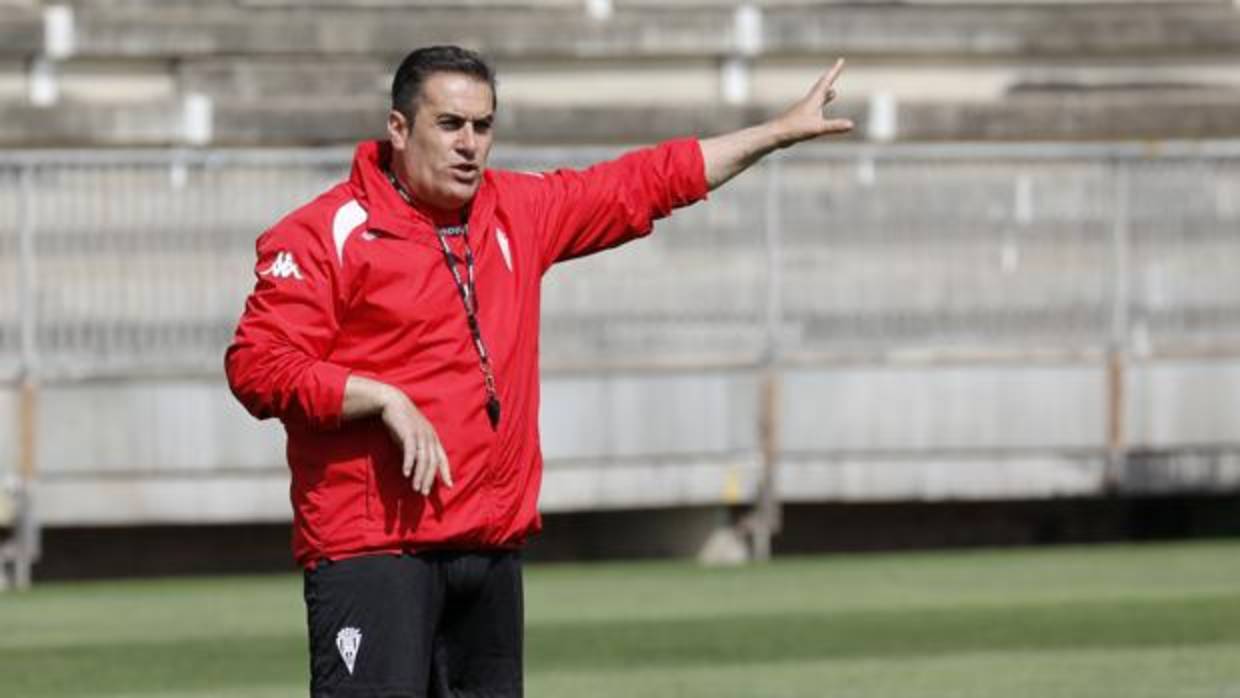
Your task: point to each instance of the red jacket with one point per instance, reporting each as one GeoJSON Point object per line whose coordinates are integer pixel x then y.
{"type": "Point", "coordinates": [356, 282]}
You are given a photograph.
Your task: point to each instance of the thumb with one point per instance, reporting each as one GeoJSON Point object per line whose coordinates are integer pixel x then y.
{"type": "Point", "coordinates": [838, 126]}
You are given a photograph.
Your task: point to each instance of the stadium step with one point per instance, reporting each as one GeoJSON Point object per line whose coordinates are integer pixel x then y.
{"type": "Point", "coordinates": [855, 30]}
{"type": "Point", "coordinates": [21, 32]}
{"type": "Point", "coordinates": [272, 72]}
{"type": "Point", "coordinates": [1068, 115]}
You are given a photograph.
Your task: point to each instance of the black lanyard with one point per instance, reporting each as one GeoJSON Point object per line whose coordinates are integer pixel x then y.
{"type": "Point", "coordinates": [467, 289]}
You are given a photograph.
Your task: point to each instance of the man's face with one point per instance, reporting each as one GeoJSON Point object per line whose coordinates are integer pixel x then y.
{"type": "Point", "coordinates": [445, 151]}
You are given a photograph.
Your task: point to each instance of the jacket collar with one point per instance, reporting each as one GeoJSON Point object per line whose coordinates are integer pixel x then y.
{"type": "Point", "coordinates": [387, 211]}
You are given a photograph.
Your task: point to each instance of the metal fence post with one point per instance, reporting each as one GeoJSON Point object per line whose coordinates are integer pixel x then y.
{"type": "Point", "coordinates": [27, 524]}
{"type": "Point", "coordinates": [767, 519]}
{"type": "Point", "coordinates": [1117, 344]}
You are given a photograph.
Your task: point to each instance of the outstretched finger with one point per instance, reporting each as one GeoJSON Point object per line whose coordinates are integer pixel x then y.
{"type": "Point", "coordinates": [822, 88]}
{"type": "Point", "coordinates": [835, 71]}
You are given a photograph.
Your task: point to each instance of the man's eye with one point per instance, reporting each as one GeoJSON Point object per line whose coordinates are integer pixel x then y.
{"type": "Point", "coordinates": [450, 124]}
{"type": "Point", "coordinates": [482, 126]}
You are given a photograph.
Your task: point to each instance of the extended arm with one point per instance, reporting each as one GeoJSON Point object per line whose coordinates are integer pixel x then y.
{"type": "Point", "coordinates": [730, 154]}
{"type": "Point", "coordinates": [612, 202]}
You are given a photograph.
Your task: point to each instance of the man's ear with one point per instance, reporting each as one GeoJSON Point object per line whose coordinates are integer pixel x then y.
{"type": "Point", "coordinates": [398, 129]}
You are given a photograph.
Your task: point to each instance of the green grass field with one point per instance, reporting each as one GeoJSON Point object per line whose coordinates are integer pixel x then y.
{"type": "Point", "coordinates": [1156, 621]}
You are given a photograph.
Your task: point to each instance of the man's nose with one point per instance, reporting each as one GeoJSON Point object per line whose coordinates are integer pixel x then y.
{"type": "Point", "coordinates": [467, 140]}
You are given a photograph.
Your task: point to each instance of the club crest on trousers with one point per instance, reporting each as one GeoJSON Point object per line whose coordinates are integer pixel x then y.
{"type": "Point", "coordinates": [348, 641]}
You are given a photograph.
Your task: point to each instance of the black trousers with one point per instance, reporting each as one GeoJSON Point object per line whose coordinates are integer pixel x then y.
{"type": "Point", "coordinates": [429, 625]}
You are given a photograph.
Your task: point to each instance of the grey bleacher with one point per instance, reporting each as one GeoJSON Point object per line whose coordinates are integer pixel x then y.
{"type": "Point", "coordinates": [21, 32]}
{"type": "Point", "coordinates": [1168, 28]}
{"type": "Point", "coordinates": [213, 30]}
{"type": "Point", "coordinates": [270, 72]}
{"type": "Point", "coordinates": [258, 123]}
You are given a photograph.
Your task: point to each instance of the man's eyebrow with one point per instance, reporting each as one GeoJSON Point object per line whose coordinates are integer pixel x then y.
{"type": "Point", "coordinates": [489, 116]}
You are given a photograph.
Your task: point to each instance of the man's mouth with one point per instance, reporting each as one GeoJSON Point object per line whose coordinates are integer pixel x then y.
{"type": "Point", "coordinates": [465, 172]}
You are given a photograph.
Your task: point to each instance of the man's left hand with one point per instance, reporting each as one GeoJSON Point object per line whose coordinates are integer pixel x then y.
{"type": "Point", "coordinates": [808, 118]}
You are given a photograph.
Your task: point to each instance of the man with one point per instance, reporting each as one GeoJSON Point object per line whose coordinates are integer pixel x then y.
{"type": "Point", "coordinates": [394, 331]}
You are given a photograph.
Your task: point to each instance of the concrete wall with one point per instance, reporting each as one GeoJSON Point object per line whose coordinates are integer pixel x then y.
{"type": "Point", "coordinates": [182, 451]}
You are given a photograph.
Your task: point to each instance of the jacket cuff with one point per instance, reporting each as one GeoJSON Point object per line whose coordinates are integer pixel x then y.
{"type": "Point", "coordinates": [324, 395]}
{"type": "Point", "coordinates": [691, 184]}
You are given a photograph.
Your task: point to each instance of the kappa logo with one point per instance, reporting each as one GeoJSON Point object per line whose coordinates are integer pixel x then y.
{"type": "Point", "coordinates": [283, 267]}
{"type": "Point", "coordinates": [348, 641]}
{"type": "Point", "coordinates": [503, 247]}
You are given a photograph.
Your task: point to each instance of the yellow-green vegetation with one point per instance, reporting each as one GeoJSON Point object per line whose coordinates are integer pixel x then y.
{"type": "Point", "coordinates": [1155, 621]}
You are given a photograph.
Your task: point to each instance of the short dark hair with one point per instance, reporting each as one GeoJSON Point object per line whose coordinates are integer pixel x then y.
{"type": "Point", "coordinates": [421, 63]}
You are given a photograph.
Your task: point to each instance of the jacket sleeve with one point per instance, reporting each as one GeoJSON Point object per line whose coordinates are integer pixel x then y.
{"type": "Point", "coordinates": [585, 211]}
{"type": "Point", "coordinates": [276, 364]}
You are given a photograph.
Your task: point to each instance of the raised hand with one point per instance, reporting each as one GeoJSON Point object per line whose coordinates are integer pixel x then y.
{"type": "Point", "coordinates": [808, 117]}
{"type": "Point", "coordinates": [727, 155]}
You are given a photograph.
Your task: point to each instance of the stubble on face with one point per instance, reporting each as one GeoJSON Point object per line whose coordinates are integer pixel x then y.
{"type": "Point", "coordinates": [441, 157]}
